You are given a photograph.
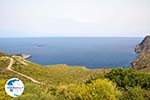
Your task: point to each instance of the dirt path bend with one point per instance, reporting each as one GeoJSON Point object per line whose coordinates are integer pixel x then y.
{"type": "Point", "coordinates": [10, 66]}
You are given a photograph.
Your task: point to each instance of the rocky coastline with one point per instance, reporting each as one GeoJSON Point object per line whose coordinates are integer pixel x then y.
{"type": "Point", "coordinates": [143, 59]}
{"type": "Point", "coordinates": [144, 46]}
{"type": "Point", "coordinates": [24, 56]}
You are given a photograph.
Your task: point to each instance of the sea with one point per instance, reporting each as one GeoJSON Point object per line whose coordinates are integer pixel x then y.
{"type": "Point", "coordinates": [91, 52]}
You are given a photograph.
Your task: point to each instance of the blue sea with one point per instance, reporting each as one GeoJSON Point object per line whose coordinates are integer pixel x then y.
{"type": "Point", "coordinates": [92, 52]}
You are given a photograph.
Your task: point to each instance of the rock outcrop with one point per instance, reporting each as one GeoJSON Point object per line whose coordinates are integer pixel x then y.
{"type": "Point", "coordinates": [24, 56]}
{"type": "Point", "coordinates": [142, 62]}
{"type": "Point", "coordinates": [143, 59]}
{"type": "Point", "coordinates": [144, 46]}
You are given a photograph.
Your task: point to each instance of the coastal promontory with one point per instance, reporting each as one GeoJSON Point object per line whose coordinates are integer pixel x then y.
{"type": "Point", "coordinates": [144, 46]}
{"type": "Point", "coordinates": [143, 60]}
{"type": "Point", "coordinates": [24, 56]}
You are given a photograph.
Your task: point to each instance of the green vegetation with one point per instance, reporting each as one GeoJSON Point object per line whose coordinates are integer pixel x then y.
{"type": "Point", "coordinates": [53, 76]}
{"type": "Point", "coordinates": [56, 74]}
{"type": "Point", "coordinates": [3, 54]}
{"type": "Point", "coordinates": [62, 82]}
{"type": "Point", "coordinates": [100, 89]}
{"type": "Point", "coordinates": [34, 92]}
{"type": "Point", "coordinates": [3, 64]}
{"type": "Point", "coordinates": [3, 95]}
{"type": "Point", "coordinates": [136, 93]}
{"type": "Point", "coordinates": [134, 84]}
{"type": "Point", "coordinates": [129, 78]}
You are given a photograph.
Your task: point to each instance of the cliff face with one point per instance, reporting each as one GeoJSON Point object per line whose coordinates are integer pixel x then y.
{"type": "Point", "coordinates": [144, 46]}
{"type": "Point", "coordinates": [143, 60]}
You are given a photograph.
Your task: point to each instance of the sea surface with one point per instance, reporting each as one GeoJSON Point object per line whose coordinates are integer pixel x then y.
{"type": "Point", "coordinates": [92, 52]}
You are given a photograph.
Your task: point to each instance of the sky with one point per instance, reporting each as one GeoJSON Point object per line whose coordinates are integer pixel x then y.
{"type": "Point", "coordinates": [46, 18]}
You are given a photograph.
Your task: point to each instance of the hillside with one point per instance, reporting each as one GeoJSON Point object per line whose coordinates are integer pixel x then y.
{"type": "Point", "coordinates": [3, 54]}
{"type": "Point", "coordinates": [54, 74]}
{"type": "Point", "coordinates": [143, 60]}
{"type": "Point", "coordinates": [144, 46]}
{"type": "Point", "coordinates": [51, 76]}
{"type": "Point", "coordinates": [63, 82]}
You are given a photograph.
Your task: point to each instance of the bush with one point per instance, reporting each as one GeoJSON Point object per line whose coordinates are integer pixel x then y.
{"type": "Point", "coordinates": [34, 92]}
{"type": "Point", "coordinates": [3, 95]}
{"type": "Point", "coordinates": [100, 89]}
{"type": "Point", "coordinates": [135, 93]}
{"type": "Point", "coordinates": [129, 78]}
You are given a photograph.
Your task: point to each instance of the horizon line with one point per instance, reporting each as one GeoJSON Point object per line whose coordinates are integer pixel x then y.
{"type": "Point", "coordinates": [70, 36]}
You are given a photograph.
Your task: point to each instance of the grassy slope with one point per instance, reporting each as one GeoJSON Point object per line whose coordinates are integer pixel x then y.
{"type": "Point", "coordinates": [52, 75]}
{"type": "Point", "coordinates": [2, 54]}
{"type": "Point", "coordinates": [56, 74]}
{"type": "Point", "coordinates": [3, 64]}
{"type": "Point", "coordinates": [60, 74]}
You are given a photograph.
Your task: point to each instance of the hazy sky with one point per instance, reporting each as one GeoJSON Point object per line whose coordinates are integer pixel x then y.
{"type": "Point", "coordinates": [29, 18]}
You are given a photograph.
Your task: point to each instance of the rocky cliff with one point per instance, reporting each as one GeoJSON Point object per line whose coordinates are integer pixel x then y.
{"type": "Point", "coordinates": [144, 46]}
{"type": "Point", "coordinates": [143, 59]}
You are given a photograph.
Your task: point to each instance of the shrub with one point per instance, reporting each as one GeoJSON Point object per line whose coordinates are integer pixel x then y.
{"type": "Point", "coordinates": [136, 93]}
{"type": "Point", "coordinates": [129, 78]}
{"type": "Point", "coordinates": [3, 95]}
{"type": "Point", "coordinates": [100, 89]}
{"type": "Point", "coordinates": [34, 92]}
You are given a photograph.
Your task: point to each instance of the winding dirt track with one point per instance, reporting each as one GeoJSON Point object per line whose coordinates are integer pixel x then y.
{"type": "Point", "coordinates": [10, 66]}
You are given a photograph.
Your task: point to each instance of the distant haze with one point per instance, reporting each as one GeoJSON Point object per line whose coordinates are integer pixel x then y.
{"type": "Point", "coordinates": [41, 18]}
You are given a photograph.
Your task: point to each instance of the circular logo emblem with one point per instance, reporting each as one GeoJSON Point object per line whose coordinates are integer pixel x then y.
{"type": "Point", "coordinates": [14, 87]}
